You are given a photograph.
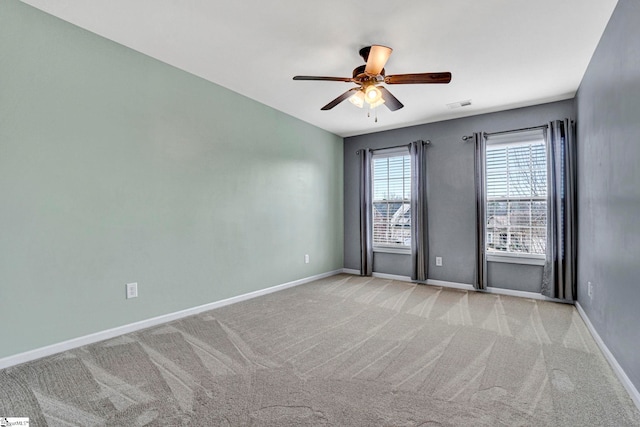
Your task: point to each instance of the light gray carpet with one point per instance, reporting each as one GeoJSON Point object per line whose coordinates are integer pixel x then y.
{"type": "Point", "coordinates": [342, 351]}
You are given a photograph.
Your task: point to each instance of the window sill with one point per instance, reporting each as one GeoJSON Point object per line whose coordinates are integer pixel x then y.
{"type": "Point", "coordinates": [514, 259]}
{"type": "Point", "coordinates": [399, 251]}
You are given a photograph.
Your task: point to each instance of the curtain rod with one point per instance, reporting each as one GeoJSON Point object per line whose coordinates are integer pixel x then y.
{"type": "Point", "coordinates": [427, 142]}
{"type": "Point", "coordinates": [485, 134]}
{"type": "Point", "coordinates": [515, 130]}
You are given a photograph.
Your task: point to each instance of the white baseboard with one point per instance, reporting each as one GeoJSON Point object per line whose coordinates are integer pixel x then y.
{"type": "Point", "coordinates": [524, 294]}
{"type": "Point", "coordinates": [452, 285]}
{"type": "Point", "coordinates": [464, 286]}
{"type": "Point", "coordinates": [143, 324]}
{"type": "Point", "coordinates": [391, 277]}
{"type": "Point", "coordinates": [378, 275]}
{"type": "Point", "coordinates": [431, 282]}
{"type": "Point", "coordinates": [622, 376]}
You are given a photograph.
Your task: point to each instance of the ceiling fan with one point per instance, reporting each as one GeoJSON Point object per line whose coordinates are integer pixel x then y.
{"type": "Point", "coordinates": [368, 77]}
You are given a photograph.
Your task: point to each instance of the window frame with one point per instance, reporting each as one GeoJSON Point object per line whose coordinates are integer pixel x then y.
{"type": "Point", "coordinates": [387, 153]}
{"type": "Point", "coordinates": [513, 139]}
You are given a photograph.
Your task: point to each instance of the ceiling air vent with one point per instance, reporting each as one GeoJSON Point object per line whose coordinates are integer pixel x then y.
{"type": "Point", "coordinates": [459, 104]}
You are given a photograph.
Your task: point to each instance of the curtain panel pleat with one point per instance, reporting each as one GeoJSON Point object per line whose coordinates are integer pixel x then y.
{"type": "Point", "coordinates": [366, 230]}
{"type": "Point", "coordinates": [559, 275]}
{"type": "Point", "coordinates": [480, 281]}
{"type": "Point", "coordinates": [419, 229]}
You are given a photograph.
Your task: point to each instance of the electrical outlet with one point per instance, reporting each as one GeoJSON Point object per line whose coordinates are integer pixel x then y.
{"type": "Point", "coordinates": [439, 261]}
{"type": "Point", "coordinates": [306, 258]}
{"type": "Point", "coordinates": [590, 289]}
{"type": "Point", "coordinates": [132, 290]}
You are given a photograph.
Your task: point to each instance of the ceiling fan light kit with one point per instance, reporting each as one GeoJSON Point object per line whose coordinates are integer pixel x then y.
{"type": "Point", "coordinates": [357, 99]}
{"type": "Point", "coordinates": [372, 94]}
{"type": "Point", "coordinates": [370, 77]}
{"type": "Point", "coordinates": [376, 104]}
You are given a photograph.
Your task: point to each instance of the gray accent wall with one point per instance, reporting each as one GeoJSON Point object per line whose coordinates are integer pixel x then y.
{"type": "Point", "coordinates": [608, 108]}
{"type": "Point", "coordinates": [450, 195]}
{"type": "Point", "coordinates": [117, 168]}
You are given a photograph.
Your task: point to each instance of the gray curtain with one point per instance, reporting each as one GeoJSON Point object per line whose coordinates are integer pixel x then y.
{"type": "Point", "coordinates": [559, 276]}
{"type": "Point", "coordinates": [419, 239]}
{"type": "Point", "coordinates": [481, 257]}
{"type": "Point", "coordinates": [366, 230]}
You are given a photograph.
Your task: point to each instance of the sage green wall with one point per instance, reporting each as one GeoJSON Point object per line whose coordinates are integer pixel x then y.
{"type": "Point", "coordinates": [116, 168]}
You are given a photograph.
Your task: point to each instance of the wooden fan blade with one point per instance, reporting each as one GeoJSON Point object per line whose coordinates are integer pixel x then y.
{"type": "Point", "coordinates": [390, 101]}
{"type": "Point", "coordinates": [341, 98]}
{"type": "Point", "coordinates": [378, 57]}
{"type": "Point", "coordinates": [329, 79]}
{"type": "Point", "coordinates": [404, 79]}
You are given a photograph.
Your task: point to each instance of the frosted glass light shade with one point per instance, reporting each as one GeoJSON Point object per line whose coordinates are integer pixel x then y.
{"type": "Point", "coordinates": [357, 99]}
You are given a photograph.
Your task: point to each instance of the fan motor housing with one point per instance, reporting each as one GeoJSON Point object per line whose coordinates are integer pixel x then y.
{"type": "Point", "coordinates": [359, 74]}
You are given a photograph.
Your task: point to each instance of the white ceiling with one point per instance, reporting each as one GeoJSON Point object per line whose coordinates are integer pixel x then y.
{"type": "Point", "coordinates": [502, 53]}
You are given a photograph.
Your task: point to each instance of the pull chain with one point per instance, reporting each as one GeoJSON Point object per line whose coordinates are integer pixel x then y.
{"type": "Point", "coordinates": [375, 116]}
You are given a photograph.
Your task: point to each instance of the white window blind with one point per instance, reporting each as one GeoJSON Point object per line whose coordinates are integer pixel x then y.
{"type": "Point", "coordinates": [516, 190]}
{"type": "Point", "coordinates": [391, 210]}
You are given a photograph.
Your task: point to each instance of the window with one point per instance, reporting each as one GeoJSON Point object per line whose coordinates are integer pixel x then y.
{"type": "Point", "coordinates": [516, 190]}
{"type": "Point", "coordinates": [391, 210]}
